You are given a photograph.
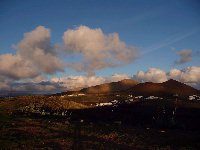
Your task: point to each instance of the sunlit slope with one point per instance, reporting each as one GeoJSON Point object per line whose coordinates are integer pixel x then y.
{"type": "Point", "coordinates": [110, 87]}
{"type": "Point", "coordinates": [168, 88]}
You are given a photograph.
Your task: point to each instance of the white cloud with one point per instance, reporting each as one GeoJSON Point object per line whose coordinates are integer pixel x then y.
{"type": "Point", "coordinates": [37, 49]}
{"type": "Point", "coordinates": [34, 56]}
{"type": "Point", "coordinates": [71, 82]}
{"type": "Point", "coordinates": [152, 75]}
{"type": "Point", "coordinates": [189, 75]}
{"type": "Point", "coordinates": [174, 73]}
{"type": "Point", "coordinates": [14, 67]}
{"type": "Point", "coordinates": [42, 85]}
{"type": "Point", "coordinates": [185, 56]}
{"type": "Point", "coordinates": [118, 77]}
{"type": "Point", "coordinates": [97, 49]}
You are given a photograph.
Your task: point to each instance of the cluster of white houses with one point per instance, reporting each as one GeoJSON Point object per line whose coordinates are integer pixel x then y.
{"type": "Point", "coordinates": [194, 97]}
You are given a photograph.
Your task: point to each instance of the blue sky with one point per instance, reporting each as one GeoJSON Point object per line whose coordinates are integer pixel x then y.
{"type": "Point", "coordinates": [158, 28]}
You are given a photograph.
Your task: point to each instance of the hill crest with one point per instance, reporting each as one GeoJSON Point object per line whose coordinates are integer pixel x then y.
{"type": "Point", "coordinates": [167, 88]}
{"type": "Point", "coordinates": [110, 87]}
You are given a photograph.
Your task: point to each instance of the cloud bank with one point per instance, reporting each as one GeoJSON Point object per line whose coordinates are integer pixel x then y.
{"type": "Point", "coordinates": [189, 75]}
{"type": "Point", "coordinates": [71, 82]}
{"type": "Point", "coordinates": [98, 50]}
{"type": "Point", "coordinates": [34, 56]}
{"type": "Point", "coordinates": [57, 84]}
{"type": "Point", "coordinates": [152, 75]}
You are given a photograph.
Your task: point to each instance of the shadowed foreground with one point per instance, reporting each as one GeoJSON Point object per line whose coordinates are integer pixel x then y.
{"type": "Point", "coordinates": [128, 126]}
{"type": "Point", "coordinates": [41, 133]}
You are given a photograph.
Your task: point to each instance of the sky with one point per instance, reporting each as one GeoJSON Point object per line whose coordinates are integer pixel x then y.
{"type": "Point", "coordinates": [88, 42]}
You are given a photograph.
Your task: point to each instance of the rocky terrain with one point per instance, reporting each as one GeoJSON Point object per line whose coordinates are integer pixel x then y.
{"type": "Point", "coordinates": [117, 115]}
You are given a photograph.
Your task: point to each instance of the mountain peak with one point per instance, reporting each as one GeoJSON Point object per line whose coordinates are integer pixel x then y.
{"type": "Point", "coordinates": [128, 81]}
{"type": "Point", "coordinates": [167, 88]}
{"type": "Point", "coordinates": [172, 81]}
{"type": "Point", "coordinates": [110, 87]}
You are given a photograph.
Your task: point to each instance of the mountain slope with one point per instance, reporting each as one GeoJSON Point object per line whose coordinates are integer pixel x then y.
{"type": "Point", "coordinates": [110, 87]}
{"type": "Point", "coordinates": [168, 88]}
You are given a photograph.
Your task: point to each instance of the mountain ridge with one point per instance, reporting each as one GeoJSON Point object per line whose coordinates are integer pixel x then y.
{"type": "Point", "coordinates": [167, 88]}
{"type": "Point", "coordinates": [110, 87]}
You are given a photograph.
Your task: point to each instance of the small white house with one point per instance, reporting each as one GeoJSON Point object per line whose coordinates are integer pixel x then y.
{"type": "Point", "coordinates": [81, 94]}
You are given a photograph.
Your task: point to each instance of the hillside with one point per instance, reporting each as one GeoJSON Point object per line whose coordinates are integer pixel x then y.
{"type": "Point", "coordinates": [168, 88]}
{"type": "Point", "coordinates": [110, 87]}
